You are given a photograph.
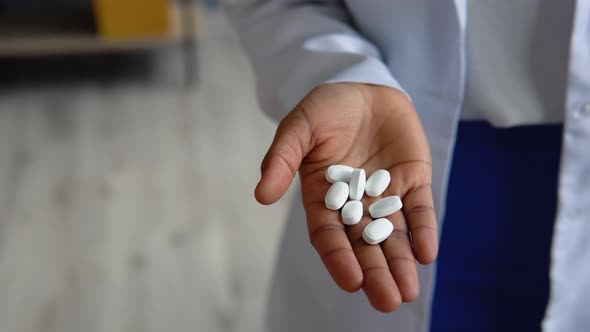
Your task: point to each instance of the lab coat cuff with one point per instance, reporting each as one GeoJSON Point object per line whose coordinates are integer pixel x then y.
{"type": "Point", "coordinates": [369, 71]}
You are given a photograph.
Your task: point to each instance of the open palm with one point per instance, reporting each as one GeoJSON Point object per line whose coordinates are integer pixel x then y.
{"type": "Point", "coordinates": [368, 127]}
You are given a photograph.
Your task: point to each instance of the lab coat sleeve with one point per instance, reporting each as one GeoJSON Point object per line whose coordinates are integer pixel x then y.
{"type": "Point", "coordinates": [296, 45]}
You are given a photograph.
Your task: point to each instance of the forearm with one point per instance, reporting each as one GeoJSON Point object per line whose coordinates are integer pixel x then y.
{"type": "Point", "coordinates": [297, 45]}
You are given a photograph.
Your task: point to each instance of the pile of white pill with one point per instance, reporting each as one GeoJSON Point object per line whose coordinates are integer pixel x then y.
{"type": "Point", "coordinates": [348, 182]}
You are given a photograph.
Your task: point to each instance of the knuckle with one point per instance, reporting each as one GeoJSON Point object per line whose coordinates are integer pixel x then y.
{"type": "Point", "coordinates": [420, 189]}
{"type": "Point", "coordinates": [419, 209]}
{"type": "Point", "coordinates": [333, 252]}
{"type": "Point", "coordinates": [316, 234]}
{"type": "Point", "coordinates": [374, 268]}
{"type": "Point", "coordinates": [424, 227]}
{"type": "Point", "coordinates": [400, 233]}
{"type": "Point", "coordinates": [400, 259]}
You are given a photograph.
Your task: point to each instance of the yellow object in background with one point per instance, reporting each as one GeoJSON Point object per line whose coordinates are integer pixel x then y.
{"type": "Point", "coordinates": [118, 19]}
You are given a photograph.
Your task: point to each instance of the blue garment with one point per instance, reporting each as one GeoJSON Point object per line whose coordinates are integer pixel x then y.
{"type": "Point", "coordinates": [493, 267]}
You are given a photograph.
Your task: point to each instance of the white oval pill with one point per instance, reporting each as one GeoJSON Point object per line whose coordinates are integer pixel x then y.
{"type": "Point", "coordinates": [336, 173]}
{"type": "Point", "coordinates": [337, 195]}
{"type": "Point", "coordinates": [352, 212]}
{"type": "Point", "coordinates": [377, 183]}
{"type": "Point", "coordinates": [377, 231]}
{"type": "Point", "coordinates": [357, 184]}
{"type": "Point", "coordinates": [385, 207]}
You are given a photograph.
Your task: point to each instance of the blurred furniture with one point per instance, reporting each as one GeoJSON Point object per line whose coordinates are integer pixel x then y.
{"type": "Point", "coordinates": [33, 28]}
{"type": "Point", "coordinates": [128, 19]}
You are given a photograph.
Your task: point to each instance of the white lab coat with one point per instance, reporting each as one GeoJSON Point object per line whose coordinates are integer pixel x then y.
{"type": "Point", "coordinates": [416, 46]}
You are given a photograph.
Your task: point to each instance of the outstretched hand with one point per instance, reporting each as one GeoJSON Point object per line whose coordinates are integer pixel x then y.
{"type": "Point", "coordinates": [370, 127]}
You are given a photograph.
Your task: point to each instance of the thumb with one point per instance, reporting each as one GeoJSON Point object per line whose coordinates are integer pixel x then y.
{"type": "Point", "coordinates": [292, 142]}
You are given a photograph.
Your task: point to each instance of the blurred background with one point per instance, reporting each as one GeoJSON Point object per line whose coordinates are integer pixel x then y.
{"type": "Point", "coordinates": [130, 143]}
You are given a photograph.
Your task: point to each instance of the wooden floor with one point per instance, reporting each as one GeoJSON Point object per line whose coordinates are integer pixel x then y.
{"type": "Point", "coordinates": [129, 207]}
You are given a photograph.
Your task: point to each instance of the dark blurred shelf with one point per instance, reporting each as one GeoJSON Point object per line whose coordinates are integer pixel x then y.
{"type": "Point", "coordinates": [71, 33]}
